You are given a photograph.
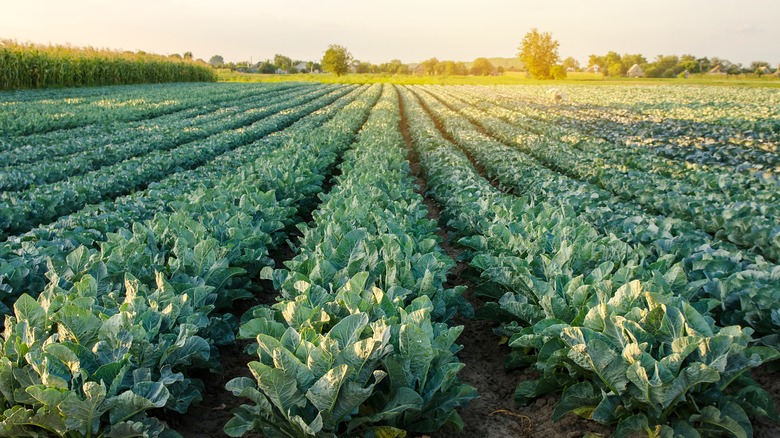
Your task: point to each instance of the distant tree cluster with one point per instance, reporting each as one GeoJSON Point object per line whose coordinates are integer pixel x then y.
{"type": "Point", "coordinates": [279, 64]}
{"type": "Point", "coordinates": [670, 66]}
{"type": "Point", "coordinates": [434, 67]}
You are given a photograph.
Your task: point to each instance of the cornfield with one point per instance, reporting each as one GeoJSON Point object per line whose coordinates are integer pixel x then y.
{"type": "Point", "coordinates": [39, 66]}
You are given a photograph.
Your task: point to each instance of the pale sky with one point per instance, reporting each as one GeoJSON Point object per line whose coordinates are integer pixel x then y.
{"type": "Point", "coordinates": [410, 30]}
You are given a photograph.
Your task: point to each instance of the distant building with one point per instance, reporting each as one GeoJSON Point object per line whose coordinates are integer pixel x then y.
{"type": "Point", "coordinates": [685, 74]}
{"type": "Point", "coordinates": [635, 72]}
{"type": "Point", "coordinates": [717, 70]}
{"type": "Point", "coordinates": [594, 69]}
{"type": "Point", "coordinates": [764, 70]}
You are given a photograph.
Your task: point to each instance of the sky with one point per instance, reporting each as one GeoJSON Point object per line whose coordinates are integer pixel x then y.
{"type": "Point", "coordinates": [410, 30]}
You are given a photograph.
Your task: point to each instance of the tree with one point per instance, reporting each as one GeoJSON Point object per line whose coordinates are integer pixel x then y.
{"type": "Point", "coordinates": [758, 65]}
{"type": "Point", "coordinates": [459, 68]}
{"type": "Point", "coordinates": [429, 66]}
{"type": "Point", "coordinates": [392, 67]}
{"type": "Point", "coordinates": [336, 59]}
{"type": "Point", "coordinates": [283, 62]}
{"type": "Point", "coordinates": [596, 60]}
{"type": "Point", "coordinates": [615, 69]}
{"type": "Point", "coordinates": [571, 63]}
{"type": "Point", "coordinates": [539, 52]}
{"type": "Point", "coordinates": [266, 67]}
{"type": "Point", "coordinates": [558, 72]}
{"type": "Point", "coordinates": [216, 61]}
{"type": "Point", "coordinates": [363, 67]}
{"type": "Point", "coordinates": [188, 56]}
{"type": "Point", "coordinates": [481, 67]}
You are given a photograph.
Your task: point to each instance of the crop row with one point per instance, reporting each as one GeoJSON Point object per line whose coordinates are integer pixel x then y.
{"type": "Point", "coordinates": [622, 351]}
{"type": "Point", "coordinates": [164, 135]}
{"type": "Point", "coordinates": [21, 211]}
{"type": "Point", "coordinates": [24, 259]}
{"type": "Point", "coordinates": [733, 115]}
{"type": "Point", "coordinates": [735, 287]}
{"type": "Point", "coordinates": [33, 148]}
{"type": "Point", "coordinates": [729, 142]}
{"type": "Point", "coordinates": [117, 330]}
{"type": "Point", "coordinates": [26, 112]}
{"type": "Point", "coordinates": [723, 182]}
{"type": "Point", "coordinates": [746, 218]}
{"type": "Point", "coordinates": [358, 345]}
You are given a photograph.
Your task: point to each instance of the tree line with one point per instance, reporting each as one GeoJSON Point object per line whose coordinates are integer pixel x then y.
{"type": "Point", "coordinates": [669, 66]}
{"type": "Point", "coordinates": [339, 60]}
{"type": "Point", "coordinates": [538, 54]}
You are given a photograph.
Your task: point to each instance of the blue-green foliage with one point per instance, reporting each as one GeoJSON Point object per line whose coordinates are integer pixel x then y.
{"type": "Point", "coordinates": [359, 344]}
{"type": "Point", "coordinates": [137, 314]}
{"type": "Point", "coordinates": [635, 354]}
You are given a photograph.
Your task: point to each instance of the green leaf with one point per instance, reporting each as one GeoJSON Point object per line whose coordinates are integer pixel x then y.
{"type": "Point", "coordinates": [626, 296]}
{"type": "Point", "coordinates": [730, 417]}
{"type": "Point", "coordinates": [78, 260]}
{"type": "Point", "coordinates": [633, 425]}
{"type": "Point", "coordinates": [351, 397]}
{"type": "Point", "coordinates": [28, 310]}
{"type": "Point", "coordinates": [415, 349]}
{"type": "Point", "coordinates": [580, 399]}
{"type": "Point", "coordinates": [194, 348]}
{"type": "Point", "coordinates": [84, 415]}
{"type": "Point", "coordinates": [358, 357]}
{"type": "Point", "coordinates": [50, 397]}
{"type": "Point", "coordinates": [348, 330]}
{"type": "Point", "coordinates": [77, 324]}
{"type": "Point", "coordinates": [325, 391]}
{"type": "Point", "coordinates": [695, 323]}
{"type": "Point", "coordinates": [607, 411]}
{"type": "Point", "coordinates": [405, 400]}
{"type": "Point", "coordinates": [281, 389]}
{"type": "Point", "coordinates": [692, 375]}
{"type": "Point", "coordinates": [143, 396]}
{"type": "Point", "coordinates": [241, 423]}
{"type": "Point", "coordinates": [596, 355]}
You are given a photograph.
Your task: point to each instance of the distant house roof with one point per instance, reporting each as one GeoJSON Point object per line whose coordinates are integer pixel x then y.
{"type": "Point", "coordinates": [593, 69]}
{"type": "Point", "coordinates": [635, 71]}
{"type": "Point", "coordinates": [717, 70]}
{"type": "Point", "coordinates": [765, 70]}
{"type": "Point", "coordinates": [300, 66]}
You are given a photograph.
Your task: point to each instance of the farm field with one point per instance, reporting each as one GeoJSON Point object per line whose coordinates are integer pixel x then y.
{"type": "Point", "coordinates": [304, 259]}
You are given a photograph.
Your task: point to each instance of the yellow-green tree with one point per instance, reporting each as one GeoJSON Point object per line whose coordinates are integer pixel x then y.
{"type": "Point", "coordinates": [336, 59]}
{"type": "Point", "coordinates": [482, 67]}
{"type": "Point", "coordinates": [539, 52]}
